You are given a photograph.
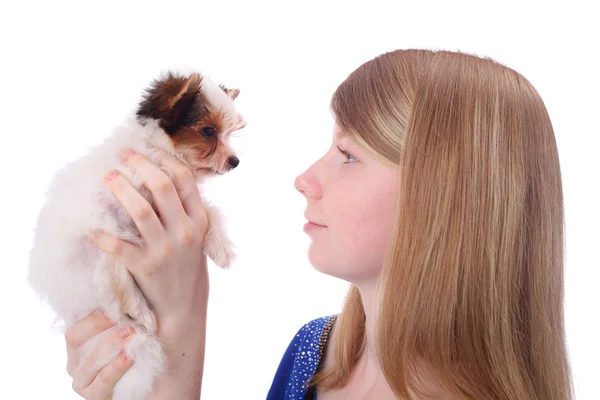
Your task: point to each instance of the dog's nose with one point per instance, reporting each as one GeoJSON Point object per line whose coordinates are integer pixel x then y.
{"type": "Point", "coordinates": [233, 162]}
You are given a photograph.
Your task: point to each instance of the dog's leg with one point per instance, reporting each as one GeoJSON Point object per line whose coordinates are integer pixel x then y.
{"type": "Point", "coordinates": [217, 244]}
{"type": "Point", "coordinates": [132, 301]}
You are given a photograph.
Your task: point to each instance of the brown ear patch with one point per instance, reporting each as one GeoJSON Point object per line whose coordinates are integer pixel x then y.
{"type": "Point", "coordinates": [191, 85]}
{"type": "Point", "coordinates": [171, 99]}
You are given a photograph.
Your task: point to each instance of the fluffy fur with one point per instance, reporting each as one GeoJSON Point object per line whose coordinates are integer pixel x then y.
{"type": "Point", "coordinates": [190, 118]}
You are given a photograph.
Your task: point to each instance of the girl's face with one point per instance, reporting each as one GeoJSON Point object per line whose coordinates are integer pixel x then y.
{"type": "Point", "coordinates": [352, 196]}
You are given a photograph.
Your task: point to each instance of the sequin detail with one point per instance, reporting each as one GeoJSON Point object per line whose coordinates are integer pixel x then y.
{"type": "Point", "coordinates": [300, 361]}
{"type": "Point", "coordinates": [309, 346]}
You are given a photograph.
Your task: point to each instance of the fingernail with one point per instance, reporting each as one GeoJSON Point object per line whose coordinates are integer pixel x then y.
{"type": "Point", "coordinates": [103, 313]}
{"type": "Point", "coordinates": [127, 154]}
{"type": "Point", "coordinates": [112, 174]}
{"type": "Point", "coordinates": [96, 237]}
{"type": "Point", "coordinates": [124, 356]}
{"type": "Point", "coordinates": [125, 332]}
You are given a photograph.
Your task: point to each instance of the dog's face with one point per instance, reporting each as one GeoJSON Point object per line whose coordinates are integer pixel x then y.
{"type": "Point", "coordinates": [198, 116]}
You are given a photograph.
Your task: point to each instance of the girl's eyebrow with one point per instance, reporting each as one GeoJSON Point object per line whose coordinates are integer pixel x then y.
{"type": "Point", "coordinates": [338, 132]}
{"type": "Point", "coordinates": [344, 138]}
{"type": "Point", "coordinates": [340, 136]}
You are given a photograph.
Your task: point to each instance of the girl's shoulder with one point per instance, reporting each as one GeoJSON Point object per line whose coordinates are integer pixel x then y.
{"type": "Point", "coordinates": [301, 359]}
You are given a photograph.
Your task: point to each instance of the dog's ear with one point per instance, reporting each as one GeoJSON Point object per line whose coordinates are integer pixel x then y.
{"type": "Point", "coordinates": [169, 100]}
{"type": "Point", "coordinates": [233, 93]}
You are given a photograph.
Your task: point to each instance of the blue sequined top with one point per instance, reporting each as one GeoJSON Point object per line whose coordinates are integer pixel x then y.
{"type": "Point", "coordinates": [301, 360]}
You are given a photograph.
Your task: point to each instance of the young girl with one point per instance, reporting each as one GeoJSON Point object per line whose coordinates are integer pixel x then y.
{"type": "Point", "coordinates": [440, 200]}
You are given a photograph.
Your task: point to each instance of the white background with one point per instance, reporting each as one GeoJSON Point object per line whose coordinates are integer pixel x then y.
{"type": "Point", "coordinates": [71, 71]}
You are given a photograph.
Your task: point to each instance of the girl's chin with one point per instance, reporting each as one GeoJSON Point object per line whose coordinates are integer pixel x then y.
{"type": "Point", "coordinates": [322, 263]}
{"type": "Point", "coordinates": [354, 273]}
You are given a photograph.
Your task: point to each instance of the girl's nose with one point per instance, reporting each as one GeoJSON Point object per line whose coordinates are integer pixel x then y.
{"type": "Point", "coordinates": [307, 184]}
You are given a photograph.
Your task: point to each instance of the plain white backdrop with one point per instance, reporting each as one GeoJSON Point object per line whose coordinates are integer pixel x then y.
{"type": "Point", "coordinates": [72, 71]}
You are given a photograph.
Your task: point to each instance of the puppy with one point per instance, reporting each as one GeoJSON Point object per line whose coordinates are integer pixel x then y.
{"type": "Point", "coordinates": [190, 118]}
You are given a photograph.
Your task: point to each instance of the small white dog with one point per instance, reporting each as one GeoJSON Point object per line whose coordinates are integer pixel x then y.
{"type": "Point", "coordinates": [185, 115]}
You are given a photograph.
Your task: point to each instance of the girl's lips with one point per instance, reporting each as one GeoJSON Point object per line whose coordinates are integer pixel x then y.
{"type": "Point", "coordinates": [311, 225]}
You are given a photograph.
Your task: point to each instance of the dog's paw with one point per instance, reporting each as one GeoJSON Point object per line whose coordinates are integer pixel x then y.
{"type": "Point", "coordinates": [220, 250]}
{"type": "Point", "coordinates": [144, 317]}
{"type": "Point", "coordinates": [225, 257]}
{"type": "Point", "coordinates": [148, 320]}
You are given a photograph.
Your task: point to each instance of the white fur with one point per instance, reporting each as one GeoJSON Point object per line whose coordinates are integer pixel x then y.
{"type": "Point", "coordinates": [68, 270]}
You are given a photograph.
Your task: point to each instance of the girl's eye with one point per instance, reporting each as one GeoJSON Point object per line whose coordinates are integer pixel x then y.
{"type": "Point", "coordinates": [349, 157]}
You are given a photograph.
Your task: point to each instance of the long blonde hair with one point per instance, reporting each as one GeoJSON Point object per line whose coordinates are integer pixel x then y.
{"type": "Point", "coordinates": [473, 282]}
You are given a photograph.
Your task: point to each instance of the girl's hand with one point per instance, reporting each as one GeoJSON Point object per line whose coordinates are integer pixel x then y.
{"type": "Point", "coordinates": [170, 268]}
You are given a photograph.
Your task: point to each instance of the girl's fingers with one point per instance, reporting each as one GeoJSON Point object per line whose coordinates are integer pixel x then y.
{"type": "Point", "coordinates": [185, 185]}
{"type": "Point", "coordinates": [123, 251]}
{"type": "Point", "coordinates": [136, 206]}
{"type": "Point", "coordinates": [163, 190]}
{"type": "Point", "coordinates": [107, 378]}
{"type": "Point", "coordinates": [79, 333]}
{"type": "Point", "coordinates": [86, 328]}
{"type": "Point", "coordinates": [99, 357]}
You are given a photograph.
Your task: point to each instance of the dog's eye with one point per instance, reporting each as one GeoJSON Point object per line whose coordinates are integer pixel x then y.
{"type": "Point", "coordinates": [208, 131]}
